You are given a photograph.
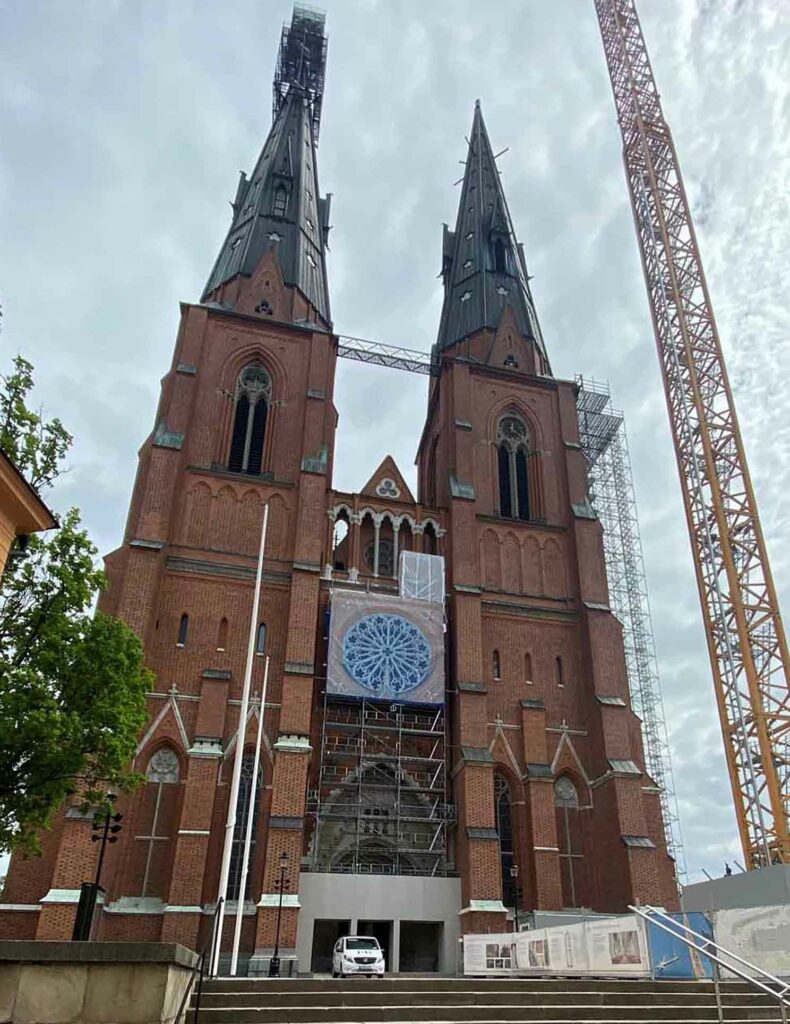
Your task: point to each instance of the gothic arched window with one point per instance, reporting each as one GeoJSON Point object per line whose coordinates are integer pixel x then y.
{"type": "Point", "coordinates": [497, 666]}
{"type": "Point", "coordinates": [240, 829]}
{"type": "Point", "coordinates": [161, 773]}
{"type": "Point", "coordinates": [504, 826]}
{"type": "Point", "coordinates": [566, 803]}
{"type": "Point", "coordinates": [253, 397]}
{"type": "Point", "coordinates": [513, 451]}
{"type": "Point", "coordinates": [183, 630]}
{"type": "Point", "coordinates": [222, 634]}
{"type": "Point", "coordinates": [260, 644]}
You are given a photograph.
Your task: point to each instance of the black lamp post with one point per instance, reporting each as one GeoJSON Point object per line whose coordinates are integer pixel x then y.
{"type": "Point", "coordinates": [514, 876]}
{"type": "Point", "coordinates": [274, 963]}
{"type": "Point", "coordinates": [105, 830]}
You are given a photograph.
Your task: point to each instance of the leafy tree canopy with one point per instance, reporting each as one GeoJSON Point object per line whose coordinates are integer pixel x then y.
{"type": "Point", "coordinates": [72, 685]}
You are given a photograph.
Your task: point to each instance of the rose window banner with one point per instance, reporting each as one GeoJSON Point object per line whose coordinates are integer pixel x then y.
{"type": "Point", "coordinates": [386, 648]}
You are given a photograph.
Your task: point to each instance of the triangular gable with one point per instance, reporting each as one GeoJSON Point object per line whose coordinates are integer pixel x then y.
{"type": "Point", "coordinates": [168, 723]}
{"type": "Point", "coordinates": [388, 482]}
{"type": "Point", "coordinates": [501, 740]}
{"type": "Point", "coordinates": [509, 348]}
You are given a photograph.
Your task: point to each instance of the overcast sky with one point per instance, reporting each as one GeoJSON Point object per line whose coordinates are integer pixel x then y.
{"type": "Point", "coordinates": [124, 124]}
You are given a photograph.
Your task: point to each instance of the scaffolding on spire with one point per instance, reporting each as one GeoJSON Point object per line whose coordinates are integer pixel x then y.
{"type": "Point", "coordinates": [301, 62]}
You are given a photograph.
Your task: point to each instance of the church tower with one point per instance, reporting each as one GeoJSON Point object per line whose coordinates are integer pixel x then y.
{"type": "Point", "coordinates": [246, 417]}
{"type": "Point", "coordinates": [553, 804]}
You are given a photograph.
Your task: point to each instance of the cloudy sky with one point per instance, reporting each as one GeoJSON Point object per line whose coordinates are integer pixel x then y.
{"type": "Point", "coordinates": [124, 126]}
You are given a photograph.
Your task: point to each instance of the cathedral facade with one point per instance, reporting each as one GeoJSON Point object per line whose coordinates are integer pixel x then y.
{"type": "Point", "coordinates": [523, 787]}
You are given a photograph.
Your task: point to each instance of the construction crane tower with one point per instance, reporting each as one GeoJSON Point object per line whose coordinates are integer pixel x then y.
{"type": "Point", "coordinates": [746, 639]}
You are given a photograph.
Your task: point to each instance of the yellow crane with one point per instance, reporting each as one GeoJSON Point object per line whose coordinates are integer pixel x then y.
{"type": "Point", "coordinates": [746, 638]}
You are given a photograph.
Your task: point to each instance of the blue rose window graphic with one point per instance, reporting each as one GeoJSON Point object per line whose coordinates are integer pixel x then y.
{"type": "Point", "coordinates": [386, 654]}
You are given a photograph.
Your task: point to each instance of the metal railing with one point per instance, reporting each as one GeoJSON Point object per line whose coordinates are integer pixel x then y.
{"type": "Point", "coordinates": [199, 972]}
{"type": "Point", "coordinates": [712, 950]}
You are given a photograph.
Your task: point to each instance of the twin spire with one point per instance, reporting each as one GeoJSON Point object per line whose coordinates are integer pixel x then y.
{"type": "Point", "coordinates": [483, 266]}
{"type": "Point", "coordinates": [279, 208]}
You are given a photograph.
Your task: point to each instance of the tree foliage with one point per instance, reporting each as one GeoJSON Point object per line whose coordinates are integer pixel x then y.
{"type": "Point", "coordinates": [72, 685]}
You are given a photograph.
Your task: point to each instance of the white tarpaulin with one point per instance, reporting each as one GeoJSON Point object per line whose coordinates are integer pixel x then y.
{"type": "Point", "coordinates": [612, 946]}
{"type": "Point", "coordinates": [385, 648]}
{"type": "Point", "coordinates": [421, 577]}
{"type": "Point", "coordinates": [760, 935]}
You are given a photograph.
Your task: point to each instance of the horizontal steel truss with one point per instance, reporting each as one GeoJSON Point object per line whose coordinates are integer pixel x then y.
{"type": "Point", "coordinates": [746, 639]}
{"type": "Point", "coordinates": [604, 442]}
{"type": "Point", "coordinates": [381, 801]}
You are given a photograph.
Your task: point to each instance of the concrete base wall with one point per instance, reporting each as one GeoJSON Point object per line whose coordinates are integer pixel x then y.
{"type": "Point", "coordinates": [396, 898]}
{"type": "Point", "coordinates": [93, 982]}
{"type": "Point", "coordinates": [765, 887]}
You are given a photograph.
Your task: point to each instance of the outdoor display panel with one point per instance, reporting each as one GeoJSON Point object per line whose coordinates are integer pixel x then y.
{"type": "Point", "coordinates": [385, 648]}
{"type": "Point", "coordinates": [671, 957]}
{"type": "Point", "coordinates": [612, 946]}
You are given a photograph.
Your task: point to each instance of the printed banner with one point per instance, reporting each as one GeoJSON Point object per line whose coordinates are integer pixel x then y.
{"type": "Point", "coordinates": [609, 946]}
{"type": "Point", "coordinates": [386, 648]}
{"type": "Point", "coordinates": [671, 957]}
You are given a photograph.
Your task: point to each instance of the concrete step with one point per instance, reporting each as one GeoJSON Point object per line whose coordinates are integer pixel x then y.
{"type": "Point", "coordinates": [395, 983]}
{"type": "Point", "coordinates": [552, 997]}
{"type": "Point", "coordinates": [466, 1014]}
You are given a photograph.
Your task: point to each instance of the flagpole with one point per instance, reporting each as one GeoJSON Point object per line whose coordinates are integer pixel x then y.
{"type": "Point", "coordinates": [230, 821]}
{"type": "Point", "coordinates": [245, 860]}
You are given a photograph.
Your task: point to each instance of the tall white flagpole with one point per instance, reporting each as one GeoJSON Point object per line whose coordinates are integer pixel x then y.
{"type": "Point", "coordinates": [245, 860]}
{"type": "Point", "coordinates": [230, 821]}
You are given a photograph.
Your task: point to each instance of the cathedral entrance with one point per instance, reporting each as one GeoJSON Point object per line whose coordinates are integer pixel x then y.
{"type": "Point", "coordinates": [381, 930]}
{"type": "Point", "coordinates": [420, 943]}
{"type": "Point", "coordinates": [325, 935]}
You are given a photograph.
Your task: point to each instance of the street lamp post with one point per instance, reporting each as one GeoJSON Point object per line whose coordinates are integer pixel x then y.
{"type": "Point", "coordinates": [104, 830]}
{"type": "Point", "coordinates": [274, 963]}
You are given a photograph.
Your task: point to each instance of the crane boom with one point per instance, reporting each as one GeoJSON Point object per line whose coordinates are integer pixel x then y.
{"type": "Point", "coordinates": [746, 640]}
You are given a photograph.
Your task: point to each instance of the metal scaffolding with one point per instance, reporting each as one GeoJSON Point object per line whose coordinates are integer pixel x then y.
{"type": "Point", "coordinates": [605, 445]}
{"type": "Point", "coordinates": [381, 804]}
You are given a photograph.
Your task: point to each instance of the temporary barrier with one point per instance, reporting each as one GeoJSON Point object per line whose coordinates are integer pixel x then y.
{"type": "Point", "coordinates": [603, 946]}
{"type": "Point", "coordinates": [671, 957]}
{"type": "Point", "coordinates": [758, 934]}
{"type": "Point", "coordinates": [421, 577]}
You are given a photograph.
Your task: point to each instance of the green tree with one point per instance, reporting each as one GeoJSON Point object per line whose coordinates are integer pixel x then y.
{"type": "Point", "coordinates": [72, 685]}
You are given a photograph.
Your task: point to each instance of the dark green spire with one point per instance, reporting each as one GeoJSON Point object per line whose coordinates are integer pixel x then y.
{"type": "Point", "coordinates": [483, 265]}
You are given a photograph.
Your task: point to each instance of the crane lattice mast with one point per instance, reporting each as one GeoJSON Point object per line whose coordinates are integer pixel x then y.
{"type": "Point", "coordinates": [746, 639]}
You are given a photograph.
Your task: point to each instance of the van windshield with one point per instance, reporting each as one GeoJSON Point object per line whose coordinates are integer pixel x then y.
{"type": "Point", "coordinates": [362, 944]}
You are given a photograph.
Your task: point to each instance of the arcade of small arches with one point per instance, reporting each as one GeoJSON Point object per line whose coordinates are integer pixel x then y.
{"type": "Point", "coordinates": [368, 542]}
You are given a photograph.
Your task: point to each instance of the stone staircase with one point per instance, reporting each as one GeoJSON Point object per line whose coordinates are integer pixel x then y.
{"type": "Point", "coordinates": [475, 1001]}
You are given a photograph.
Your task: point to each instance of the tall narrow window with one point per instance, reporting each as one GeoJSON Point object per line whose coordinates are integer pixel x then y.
{"type": "Point", "coordinates": [513, 452]}
{"type": "Point", "coordinates": [504, 827]}
{"type": "Point", "coordinates": [253, 396]}
{"type": "Point", "coordinates": [528, 667]}
{"type": "Point", "coordinates": [240, 829]}
{"type": "Point", "coordinates": [500, 257]}
{"type": "Point", "coordinates": [429, 544]}
{"type": "Point", "coordinates": [222, 634]}
{"type": "Point", "coordinates": [566, 802]}
{"type": "Point", "coordinates": [559, 672]}
{"type": "Point", "coordinates": [260, 643]}
{"type": "Point", "coordinates": [183, 630]}
{"type": "Point", "coordinates": [430, 475]}
{"type": "Point", "coordinates": [280, 204]}
{"type": "Point", "coordinates": [497, 666]}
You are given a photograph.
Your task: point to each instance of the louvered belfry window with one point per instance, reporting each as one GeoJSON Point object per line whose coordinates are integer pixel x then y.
{"type": "Point", "coordinates": [513, 451]}
{"type": "Point", "coordinates": [253, 398]}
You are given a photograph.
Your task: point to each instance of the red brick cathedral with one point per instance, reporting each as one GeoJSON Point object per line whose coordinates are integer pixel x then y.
{"type": "Point", "coordinates": [523, 784]}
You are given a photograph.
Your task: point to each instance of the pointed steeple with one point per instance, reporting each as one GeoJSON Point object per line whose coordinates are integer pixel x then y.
{"type": "Point", "coordinates": [279, 207]}
{"type": "Point", "coordinates": [483, 265]}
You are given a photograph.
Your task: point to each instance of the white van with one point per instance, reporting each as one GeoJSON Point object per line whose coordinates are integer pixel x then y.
{"type": "Point", "coordinates": [357, 954]}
